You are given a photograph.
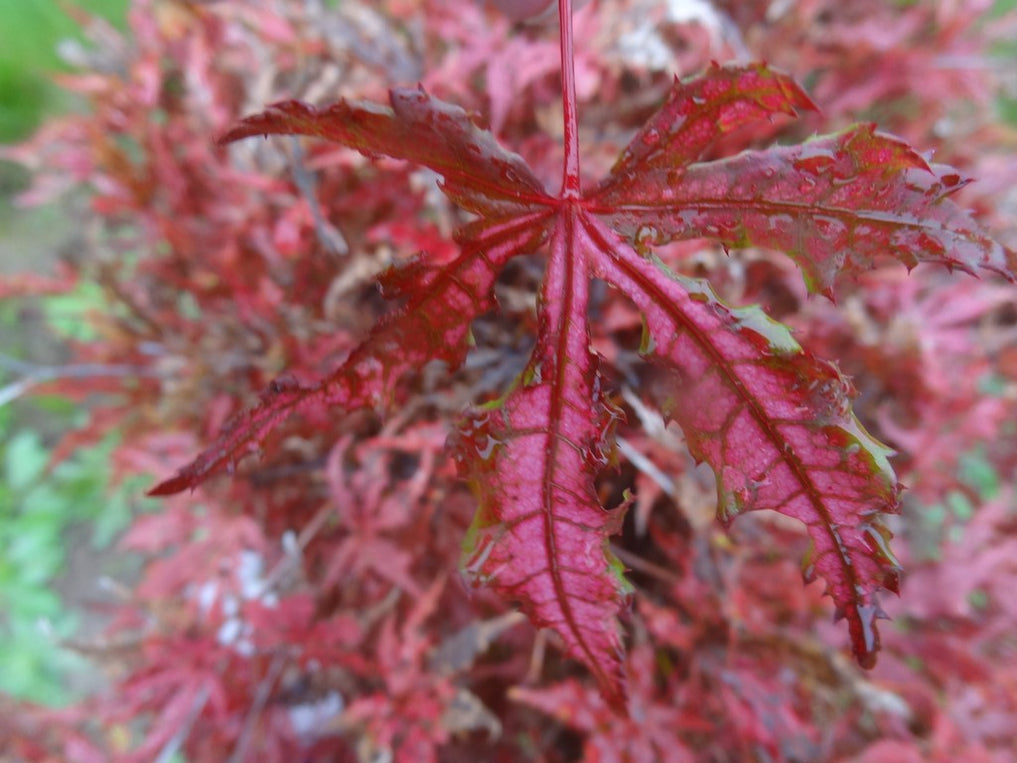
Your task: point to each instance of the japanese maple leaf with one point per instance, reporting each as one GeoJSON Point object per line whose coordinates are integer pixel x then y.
{"type": "Point", "coordinates": [773, 422]}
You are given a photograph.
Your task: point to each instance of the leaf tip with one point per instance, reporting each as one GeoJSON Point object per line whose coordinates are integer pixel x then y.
{"type": "Point", "coordinates": [617, 699]}
{"type": "Point", "coordinates": [277, 118]}
{"type": "Point", "coordinates": [864, 634]}
{"type": "Point", "coordinates": [167, 487]}
{"type": "Point", "coordinates": [235, 133]}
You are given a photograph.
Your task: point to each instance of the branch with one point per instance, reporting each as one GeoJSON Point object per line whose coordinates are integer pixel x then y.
{"type": "Point", "coordinates": [33, 374]}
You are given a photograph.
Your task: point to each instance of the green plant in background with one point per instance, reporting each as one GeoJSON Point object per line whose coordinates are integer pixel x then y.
{"type": "Point", "coordinates": [44, 511]}
{"type": "Point", "coordinates": [38, 508]}
{"type": "Point", "coordinates": [1007, 53]}
{"type": "Point", "coordinates": [47, 509]}
{"type": "Point", "coordinates": [31, 665]}
{"type": "Point", "coordinates": [29, 35]}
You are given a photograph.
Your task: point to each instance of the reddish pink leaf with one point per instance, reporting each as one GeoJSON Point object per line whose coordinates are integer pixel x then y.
{"type": "Point", "coordinates": [434, 325]}
{"type": "Point", "coordinates": [701, 110]}
{"type": "Point", "coordinates": [479, 174]}
{"type": "Point", "coordinates": [773, 422]}
{"type": "Point", "coordinates": [540, 536]}
{"type": "Point", "coordinates": [835, 204]}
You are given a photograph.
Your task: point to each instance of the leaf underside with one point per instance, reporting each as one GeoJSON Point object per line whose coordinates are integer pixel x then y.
{"type": "Point", "coordinates": [773, 422]}
{"type": "Point", "coordinates": [540, 536]}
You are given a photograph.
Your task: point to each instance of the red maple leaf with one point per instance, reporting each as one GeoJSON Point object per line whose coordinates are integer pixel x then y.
{"type": "Point", "coordinates": [773, 422]}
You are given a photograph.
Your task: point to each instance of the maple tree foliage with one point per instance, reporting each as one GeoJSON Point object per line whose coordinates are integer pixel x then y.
{"type": "Point", "coordinates": [773, 423]}
{"type": "Point", "coordinates": [304, 606]}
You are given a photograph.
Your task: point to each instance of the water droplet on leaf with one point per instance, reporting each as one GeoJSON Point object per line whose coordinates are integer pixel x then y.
{"type": "Point", "coordinates": [651, 137]}
{"type": "Point", "coordinates": [646, 236]}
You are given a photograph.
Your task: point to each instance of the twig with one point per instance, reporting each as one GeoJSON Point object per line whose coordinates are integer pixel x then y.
{"type": "Point", "coordinates": [637, 563]}
{"type": "Point", "coordinates": [295, 550]}
{"type": "Point", "coordinates": [258, 703]}
{"type": "Point", "coordinates": [328, 235]}
{"type": "Point", "coordinates": [646, 466]}
{"type": "Point", "coordinates": [175, 742]}
{"type": "Point", "coordinates": [33, 374]}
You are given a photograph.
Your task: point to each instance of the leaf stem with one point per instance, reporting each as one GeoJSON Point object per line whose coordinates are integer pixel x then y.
{"type": "Point", "coordinates": [570, 188]}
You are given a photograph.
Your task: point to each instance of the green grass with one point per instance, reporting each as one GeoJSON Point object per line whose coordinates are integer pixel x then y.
{"type": "Point", "coordinates": [42, 509]}
{"type": "Point", "coordinates": [39, 509]}
{"type": "Point", "coordinates": [30, 31]}
{"type": "Point", "coordinates": [50, 513]}
{"type": "Point", "coordinates": [1006, 52]}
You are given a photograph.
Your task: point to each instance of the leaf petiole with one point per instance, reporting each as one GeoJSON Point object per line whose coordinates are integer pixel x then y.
{"type": "Point", "coordinates": [570, 186]}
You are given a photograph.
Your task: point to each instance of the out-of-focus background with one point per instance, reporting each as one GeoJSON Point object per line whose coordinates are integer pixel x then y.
{"type": "Point", "coordinates": [57, 525]}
